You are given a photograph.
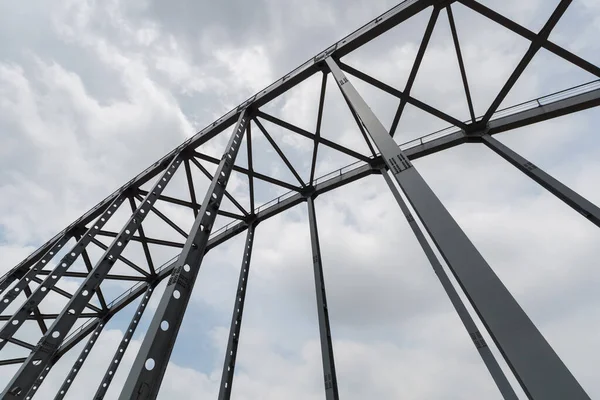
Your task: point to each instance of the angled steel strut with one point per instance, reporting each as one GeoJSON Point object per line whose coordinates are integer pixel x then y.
{"type": "Point", "coordinates": [150, 364]}
{"type": "Point", "coordinates": [538, 368]}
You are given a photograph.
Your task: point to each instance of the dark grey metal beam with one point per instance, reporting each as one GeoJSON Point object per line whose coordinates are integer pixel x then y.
{"type": "Point", "coordinates": [88, 265]}
{"type": "Point", "coordinates": [121, 258]}
{"type": "Point", "coordinates": [85, 352]}
{"type": "Point", "coordinates": [570, 197]}
{"type": "Point", "coordinates": [190, 182]}
{"type": "Point", "coordinates": [42, 356]}
{"type": "Point", "coordinates": [164, 218]}
{"type": "Point", "coordinates": [527, 34]}
{"type": "Point", "coordinates": [21, 269]}
{"type": "Point", "coordinates": [397, 93]}
{"type": "Point", "coordinates": [538, 368]}
{"type": "Point", "coordinates": [227, 194]}
{"type": "Point", "coordinates": [49, 283]}
{"type": "Point", "coordinates": [109, 276]}
{"type": "Point", "coordinates": [250, 168]}
{"type": "Point", "coordinates": [329, 375]}
{"type": "Point", "coordinates": [143, 239]}
{"type": "Point", "coordinates": [535, 46]}
{"type": "Point", "coordinates": [12, 361]}
{"type": "Point", "coordinates": [482, 348]}
{"type": "Point", "coordinates": [461, 64]}
{"type": "Point", "coordinates": [311, 136]}
{"type": "Point", "coordinates": [24, 280]}
{"type": "Point", "coordinates": [346, 45]}
{"type": "Point", "coordinates": [37, 315]}
{"type": "Point", "coordinates": [49, 316]}
{"type": "Point", "coordinates": [313, 163]}
{"type": "Point", "coordinates": [415, 68]}
{"type": "Point", "coordinates": [65, 294]}
{"type": "Point", "coordinates": [279, 152]}
{"type": "Point", "coordinates": [148, 369]}
{"type": "Point", "coordinates": [254, 174]}
{"type": "Point", "coordinates": [124, 300]}
{"type": "Point", "coordinates": [128, 335]}
{"type": "Point", "coordinates": [236, 319]}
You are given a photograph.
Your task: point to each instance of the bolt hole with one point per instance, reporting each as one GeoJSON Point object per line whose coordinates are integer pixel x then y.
{"type": "Point", "coordinates": [149, 364]}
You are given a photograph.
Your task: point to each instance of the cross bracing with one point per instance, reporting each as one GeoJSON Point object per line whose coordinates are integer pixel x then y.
{"type": "Point", "coordinates": [98, 248]}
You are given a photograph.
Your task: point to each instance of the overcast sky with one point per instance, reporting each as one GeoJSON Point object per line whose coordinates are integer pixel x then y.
{"type": "Point", "coordinates": [93, 92]}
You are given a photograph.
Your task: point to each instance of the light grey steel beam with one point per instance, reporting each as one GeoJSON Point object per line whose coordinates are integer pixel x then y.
{"type": "Point", "coordinates": [150, 364]}
{"type": "Point", "coordinates": [482, 348]}
{"type": "Point", "coordinates": [570, 197]}
{"type": "Point", "coordinates": [540, 371]}
{"type": "Point", "coordinates": [236, 319]}
{"type": "Point", "coordinates": [127, 336]}
{"type": "Point", "coordinates": [329, 375]}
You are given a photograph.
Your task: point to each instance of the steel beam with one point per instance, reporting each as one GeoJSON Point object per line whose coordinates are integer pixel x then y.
{"type": "Point", "coordinates": [49, 283]}
{"type": "Point", "coordinates": [482, 348]}
{"type": "Point", "coordinates": [536, 45]}
{"type": "Point", "coordinates": [570, 197]}
{"type": "Point", "coordinates": [24, 280]}
{"type": "Point", "coordinates": [254, 174]}
{"type": "Point", "coordinates": [127, 336]}
{"type": "Point", "coordinates": [236, 319]}
{"type": "Point", "coordinates": [329, 375]}
{"type": "Point", "coordinates": [538, 368]}
{"type": "Point", "coordinates": [250, 168]}
{"type": "Point", "coordinates": [226, 193]}
{"type": "Point", "coordinates": [85, 352]}
{"type": "Point", "coordinates": [527, 34]}
{"type": "Point", "coordinates": [143, 239]}
{"type": "Point", "coordinates": [311, 136]}
{"type": "Point", "coordinates": [279, 152]}
{"type": "Point", "coordinates": [150, 365]}
{"type": "Point", "coordinates": [461, 64]}
{"type": "Point", "coordinates": [43, 354]}
{"type": "Point", "coordinates": [415, 68]}
{"type": "Point", "coordinates": [313, 163]}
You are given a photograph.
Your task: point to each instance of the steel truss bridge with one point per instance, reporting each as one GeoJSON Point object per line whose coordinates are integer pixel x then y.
{"type": "Point", "coordinates": [535, 365]}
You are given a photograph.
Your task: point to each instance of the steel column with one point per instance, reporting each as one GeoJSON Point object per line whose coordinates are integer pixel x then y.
{"type": "Point", "coordinates": [571, 198]}
{"type": "Point", "coordinates": [43, 354]}
{"type": "Point", "coordinates": [236, 319]}
{"type": "Point", "coordinates": [482, 348]}
{"type": "Point", "coordinates": [127, 336]}
{"type": "Point", "coordinates": [538, 368]}
{"type": "Point", "coordinates": [330, 377]}
{"type": "Point", "coordinates": [150, 365]}
{"type": "Point", "coordinates": [33, 301]}
{"type": "Point", "coordinates": [85, 352]}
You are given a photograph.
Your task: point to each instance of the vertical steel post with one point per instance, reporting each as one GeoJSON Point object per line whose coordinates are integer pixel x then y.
{"type": "Point", "coordinates": [540, 371]}
{"type": "Point", "coordinates": [42, 355]}
{"type": "Point", "coordinates": [482, 348]}
{"type": "Point", "coordinates": [236, 319]}
{"type": "Point", "coordinates": [33, 301]}
{"type": "Point", "coordinates": [570, 197]}
{"type": "Point", "coordinates": [331, 387]}
{"type": "Point", "coordinates": [62, 392]}
{"type": "Point", "coordinates": [116, 360]}
{"type": "Point", "coordinates": [150, 365]}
